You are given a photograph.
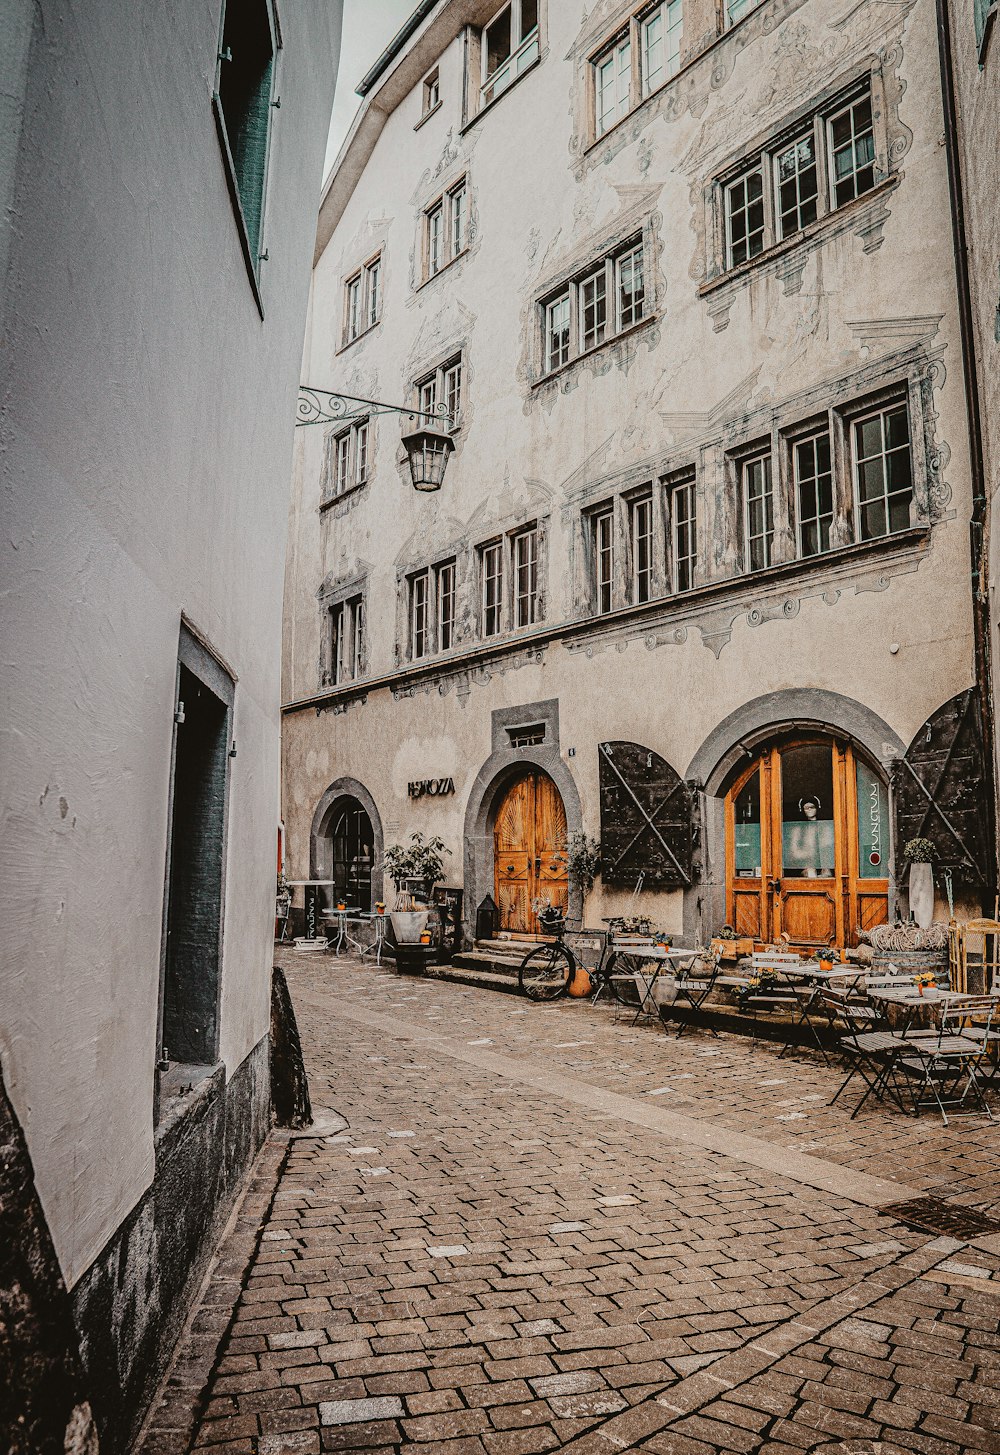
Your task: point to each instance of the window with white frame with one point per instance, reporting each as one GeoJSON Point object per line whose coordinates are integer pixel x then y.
{"type": "Point", "coordinates": [509, 47]}
{"type": "Point", "coordinates": [828, 161]}
{"type": "Point", "coordinates": [435, 239]}
{"type": "Point", "coordinates": [682, 509]}
{"type": "Point", "coordinates": [444, 593]}
{"type": "Point", "coordinates": [594, 309]}
{"type": "Point", "coordinates": [631, 287]}
{"type": "Point", "coordinates": [613, 82]}
{"type": "Point", "coordinates": [812, 474]}
{"type": "Point", "coordinates": [458, 200]}
{"type": "Point", "coordinates": [796, 184]}
{"type": "Point", "coordinates": [851, 132]}
{"type": "Point", "coordinates": [431, 92]}
{"type": "Point", "coordinates": [736, 9]}
{"type": "Point", "coordinates": [758, 512]}
{"type": "Point", "coordinates": [491, 588]}
{"type": "Point", "coordinates": [445, 229]}
{"type": "Point", "coordinates": [745, 217]}
{"type": "Point", "coordinates": [609, 297]}
{"type": "Point", "coordinates": [557, 319]}
{"type": "Point", "coordinates": [419, 623]}
{"type": "Point", "coordinates": [346, 640]}
{"type": "Point", "coordinates": [525, 565]}
{"type": "Point", "coordinates": [641, 532]}
{"type": "Point", "coordinates": [652, 38]}
{"type": "Point", "coordinates": [441, 385]}
{"type": "Point", "coordinates": [347, 459]}
{"type": "Point", "coordinates": [883, 471]}
{"type": "Point", "coordinates": [363, 300]}
{"type": "Point", "coordinates": [603, 525]}
{"type": "Point", "coordinates": [662, 29]}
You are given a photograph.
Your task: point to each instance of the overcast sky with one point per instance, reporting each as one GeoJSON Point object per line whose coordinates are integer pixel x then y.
{"type": "Point", "coordinates": [369, 25]}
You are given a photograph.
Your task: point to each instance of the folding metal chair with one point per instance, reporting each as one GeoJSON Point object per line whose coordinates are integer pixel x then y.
{"type": "Point", "coordinates": [780, 995]}
{"type": "Point", "coordinates": [866, 1050]}
{"type": "Point", "coordinates": [937, 1065]}
{"type": "Point", "coordinates": [695, 985]}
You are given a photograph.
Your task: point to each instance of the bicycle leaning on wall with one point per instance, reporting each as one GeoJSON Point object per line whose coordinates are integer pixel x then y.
{"type": "Point", "coordinates": [547, 971]}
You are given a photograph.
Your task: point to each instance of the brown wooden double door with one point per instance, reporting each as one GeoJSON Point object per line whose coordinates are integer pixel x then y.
{"type": "Point", "coordinates": [529, 845]}
{"type": "Point", "coordinates": [807, 845]}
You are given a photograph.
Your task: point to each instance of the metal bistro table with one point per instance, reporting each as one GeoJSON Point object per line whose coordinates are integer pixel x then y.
{"type": "Point", "coordinates": [812, 979]}
{"type": "Point", "coordinates": [646, 979]}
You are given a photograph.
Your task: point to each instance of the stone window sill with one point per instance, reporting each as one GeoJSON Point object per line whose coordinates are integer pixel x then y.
{"type": "Point", "coordinates": [358, 337]}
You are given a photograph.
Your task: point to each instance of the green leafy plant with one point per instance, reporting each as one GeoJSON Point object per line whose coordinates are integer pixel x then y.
{"type": "Point", "coordinates": [582, 856]}
{"type": "Point", "coordinates": [758, 984]}
{"type": "Point", "coordinates": [918, 851]}
{"type": "Point", "coordinates": [420, 859]}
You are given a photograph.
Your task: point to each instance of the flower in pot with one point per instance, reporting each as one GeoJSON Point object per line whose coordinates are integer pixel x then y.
{"type": "Point", "coordinates": [919, 854]}
{"type": "Point", "coordinates": [418, 863]}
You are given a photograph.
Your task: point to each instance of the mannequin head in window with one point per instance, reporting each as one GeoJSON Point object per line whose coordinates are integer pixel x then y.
{"type": "Point", "coordinates": [810, 809]}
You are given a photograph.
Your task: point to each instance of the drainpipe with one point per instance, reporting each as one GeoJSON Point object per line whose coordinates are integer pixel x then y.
{"type": "Point", "coordinates": [980, 522]}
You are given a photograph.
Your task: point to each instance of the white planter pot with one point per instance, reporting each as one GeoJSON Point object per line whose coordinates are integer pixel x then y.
{"type": "Point", "coordinates": [922, 894]}
{"type": "Point", "coordinates": [407, 925]}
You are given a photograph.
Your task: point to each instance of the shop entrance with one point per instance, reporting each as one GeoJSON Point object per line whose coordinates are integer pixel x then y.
{"type": "Point", "coordinates": [529, 839]}
{"type": "Point", "coordinates": [352, 854]}
{"type": "Point", "coordinates": [807, 828]}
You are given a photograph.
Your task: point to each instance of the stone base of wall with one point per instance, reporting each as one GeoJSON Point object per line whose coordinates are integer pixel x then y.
{"type": "Point", "coordinates": [131, 1304]}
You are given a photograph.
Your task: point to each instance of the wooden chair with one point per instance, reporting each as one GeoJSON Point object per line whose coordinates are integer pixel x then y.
{"type": "Point", "coordinates": [978, 955]}
{"type": "Point", "coordinates": [769, 997]}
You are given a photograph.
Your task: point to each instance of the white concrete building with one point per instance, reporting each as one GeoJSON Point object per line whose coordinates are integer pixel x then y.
{"type": "Point", "coordinates": [160, 168]}
{"type": "Point", "coordinates": [698, 579]}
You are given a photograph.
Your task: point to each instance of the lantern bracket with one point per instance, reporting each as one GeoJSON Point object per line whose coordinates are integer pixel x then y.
{"type": "Point", "coordinates": [322, 406]}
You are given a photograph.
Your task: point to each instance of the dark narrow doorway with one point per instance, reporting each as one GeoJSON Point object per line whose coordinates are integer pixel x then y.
{"type": "Point", "coordinates": [194, 904]}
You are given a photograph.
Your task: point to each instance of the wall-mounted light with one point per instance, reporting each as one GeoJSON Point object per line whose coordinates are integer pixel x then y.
{"type": "Point", "coordinates": [427, 448]}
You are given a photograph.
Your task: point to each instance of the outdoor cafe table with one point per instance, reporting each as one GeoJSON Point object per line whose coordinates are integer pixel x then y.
{"type": "Point", "coordinates": [906, 1007]}
{"type": "Point", "coordinates": [654, 962]}
{"type": "Point", "coordinates": [813, 978]}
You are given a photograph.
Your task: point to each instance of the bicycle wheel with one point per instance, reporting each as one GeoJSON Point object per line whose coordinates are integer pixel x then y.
{"type": "Point", "coordinates": [621, 972]}
{"type": "Point", "coordinates": [546, 972]}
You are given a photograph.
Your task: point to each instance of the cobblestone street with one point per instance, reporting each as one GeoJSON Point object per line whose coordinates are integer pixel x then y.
{"type": "Point", "coordinates": [517, 1228]}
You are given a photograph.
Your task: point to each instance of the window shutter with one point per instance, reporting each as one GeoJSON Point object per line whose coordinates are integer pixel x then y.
{"type": "Point", "coordinates": [984, 11]}
{"type": "Point", "coordinates": [647, 823]}
{"type": "Point", "coordinates": [939, 791]}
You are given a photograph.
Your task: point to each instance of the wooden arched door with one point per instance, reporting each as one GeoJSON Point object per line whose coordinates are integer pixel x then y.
{"type": "Point", "coordinates": [807, 827]}
{"type": "Point", "coordinates": [529, 846]}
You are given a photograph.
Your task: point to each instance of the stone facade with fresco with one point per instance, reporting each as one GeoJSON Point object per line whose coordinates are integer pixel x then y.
{"type": "Point", "coordinates": [697, 581]}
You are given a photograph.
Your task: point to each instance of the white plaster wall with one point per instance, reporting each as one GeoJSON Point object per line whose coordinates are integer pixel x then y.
{"type": "Point", "coordinates": [147, 429]}
{"type": "Point", "coordinates": [525, 452]}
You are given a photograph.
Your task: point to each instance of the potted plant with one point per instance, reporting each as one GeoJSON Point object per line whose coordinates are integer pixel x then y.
{"type": "Point", "coordinates": [420, 863]}
{"type": "Point", "coordinates": [919, 854]}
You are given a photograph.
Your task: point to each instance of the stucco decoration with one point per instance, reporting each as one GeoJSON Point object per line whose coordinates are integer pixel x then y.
{"type": "Point", "coordinates": [598, 225]}
{"type": "Point", "coordinates": [799, 78]}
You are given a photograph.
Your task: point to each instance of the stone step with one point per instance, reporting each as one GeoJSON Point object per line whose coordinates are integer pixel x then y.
{"type": "Point", "coordinates": [490, 962]}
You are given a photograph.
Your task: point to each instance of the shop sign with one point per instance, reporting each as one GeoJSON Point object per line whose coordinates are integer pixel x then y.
{"type": "Point", "coordinates": [431, 787]}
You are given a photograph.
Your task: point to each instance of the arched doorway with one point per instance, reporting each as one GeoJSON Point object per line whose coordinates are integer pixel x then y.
{"type": "Point", "coordinates": [352, 853]}
{"type": "Point", "coordinates": [529, 845]}
{"type": "Point", "coordinates": [807, 824]}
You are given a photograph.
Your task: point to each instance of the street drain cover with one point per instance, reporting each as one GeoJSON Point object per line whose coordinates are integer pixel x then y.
{"type": "Point", "coordinates": [934, 1215]}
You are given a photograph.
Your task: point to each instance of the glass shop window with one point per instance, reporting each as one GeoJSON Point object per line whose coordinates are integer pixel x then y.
{"type": "Point", "coordinates": [807, 832]}
{"type": "Point", "coordinates": [747, 830]}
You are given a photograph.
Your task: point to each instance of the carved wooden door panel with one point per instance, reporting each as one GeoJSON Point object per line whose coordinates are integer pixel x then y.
{"type": "Point", "coordinates": [512, 856]}
{"type": "Point", "coordinates": [529, 841]}
{"type": "Point", "coordinates": [549, 864]}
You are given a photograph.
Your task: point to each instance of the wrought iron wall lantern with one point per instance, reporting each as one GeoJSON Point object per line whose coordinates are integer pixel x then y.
{"type": "Point", "coordinates": [427, 444]}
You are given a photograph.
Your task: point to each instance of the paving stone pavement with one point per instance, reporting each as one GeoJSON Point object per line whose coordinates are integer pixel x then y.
{"type": "Point", "coordinates": [519, 1228]}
